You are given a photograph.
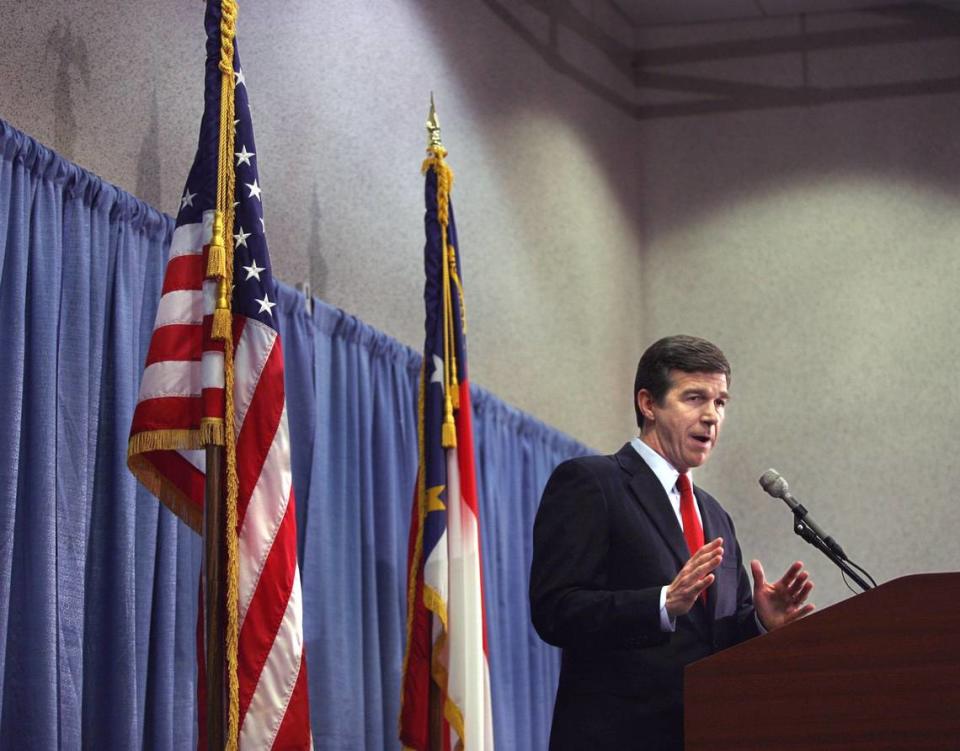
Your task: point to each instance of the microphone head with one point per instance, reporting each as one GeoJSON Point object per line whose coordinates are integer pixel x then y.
{"type": "Point", "coordinates": [774, 484]}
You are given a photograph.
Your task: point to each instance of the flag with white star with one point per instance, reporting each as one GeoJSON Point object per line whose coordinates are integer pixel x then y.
{"type": "Point", "coordinates": [182, 393]}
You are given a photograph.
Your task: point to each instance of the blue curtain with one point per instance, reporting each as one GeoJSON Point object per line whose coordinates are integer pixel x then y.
{"type": "Point", "coordinates": [98, 582]}
{"type": "Point", "coordinates": [96, 639]}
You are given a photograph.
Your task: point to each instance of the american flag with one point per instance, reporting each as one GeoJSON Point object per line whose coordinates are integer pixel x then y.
{"type": "Point", "coordinates": [446, 629]}
{"type": "Point", "coordinates": [183, 385]}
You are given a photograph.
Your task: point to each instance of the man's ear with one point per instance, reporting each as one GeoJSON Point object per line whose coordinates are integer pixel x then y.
{"type": "Point", "coordinates": [646, 401]}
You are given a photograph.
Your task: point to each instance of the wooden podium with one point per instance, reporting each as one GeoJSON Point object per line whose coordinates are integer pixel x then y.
{"type": "Point", "coordinates": [878, 671]}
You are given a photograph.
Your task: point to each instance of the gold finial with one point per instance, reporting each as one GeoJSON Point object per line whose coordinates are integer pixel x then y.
{"type": "Point", "coordinates": [433, 130]}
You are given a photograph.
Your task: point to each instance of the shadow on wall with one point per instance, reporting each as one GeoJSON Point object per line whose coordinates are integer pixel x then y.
{"type": "Point", "coordinates": [521, 104]}
{"type": "Point", "coordinates": [149, 187]}
{"type": "Point", "coordinates": [70, 52]}
{"type": "Point", "coordinates": [319, 269]}
{"type": "Point", "coordinates": [872, 95]}
{"type": "Point", "coordinates": [874, 113]}
{"type": "Point", "coordinates": [686, 90]}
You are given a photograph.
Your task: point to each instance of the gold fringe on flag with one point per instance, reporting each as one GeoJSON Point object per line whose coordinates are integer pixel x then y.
{"type": "Point", "coordinates": [164, 440]}
{"type": "Point", "coordinates": [211, 431]}
{"type": "Point", "coordinates": [418, 544]}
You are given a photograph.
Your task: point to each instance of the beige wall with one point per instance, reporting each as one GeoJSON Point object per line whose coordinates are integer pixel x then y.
{"type": "Point", "coordinates": [545, 190]}
{"type": "Point", "coordinates": [817, 245]}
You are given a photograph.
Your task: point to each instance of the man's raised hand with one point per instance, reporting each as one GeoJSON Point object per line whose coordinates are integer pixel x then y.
{"type": "Point", "coordinates": [782, 602]}
{"type": "Point", "coordinates": [695, 576]}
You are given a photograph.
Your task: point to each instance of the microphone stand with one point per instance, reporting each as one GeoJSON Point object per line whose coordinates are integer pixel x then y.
{"type": "Point", "coordinates": [803, 530]}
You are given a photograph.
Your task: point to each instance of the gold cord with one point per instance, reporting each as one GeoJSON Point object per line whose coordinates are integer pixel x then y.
{"type": "Point", "coordinates": [223, 330]}
{"type": "Point", "coordinates": [451, 399]}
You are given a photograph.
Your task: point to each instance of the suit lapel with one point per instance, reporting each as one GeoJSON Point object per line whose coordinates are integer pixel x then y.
{"type": "Point", "coordinates": [711, 524]}
{"type": "Point", "coordinates": [651, 496]}
{"type": "Point", "coordinates": [649, 493]}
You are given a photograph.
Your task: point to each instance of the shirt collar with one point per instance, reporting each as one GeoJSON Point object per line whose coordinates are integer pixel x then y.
{"type": "Point", "coordinates": [664, 470]}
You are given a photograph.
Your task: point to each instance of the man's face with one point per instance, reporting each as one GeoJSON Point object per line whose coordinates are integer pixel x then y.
{"type": "Point", "coordinates": [684, 429]}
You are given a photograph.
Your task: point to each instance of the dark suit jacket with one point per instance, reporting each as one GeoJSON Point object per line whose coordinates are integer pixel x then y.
{"type": "Point", "coordinates": [605, 542]}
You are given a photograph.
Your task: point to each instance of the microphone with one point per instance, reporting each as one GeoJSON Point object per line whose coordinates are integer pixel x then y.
{"type": "Point", "coordinates": [774, 484]}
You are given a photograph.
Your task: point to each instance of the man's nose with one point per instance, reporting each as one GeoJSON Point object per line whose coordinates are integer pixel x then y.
{"type": "Point", "coordinates": [710, 415]}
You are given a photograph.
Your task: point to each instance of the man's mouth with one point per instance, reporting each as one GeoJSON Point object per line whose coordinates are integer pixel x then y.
{"type": "Point", "coordinates": [704, 439]}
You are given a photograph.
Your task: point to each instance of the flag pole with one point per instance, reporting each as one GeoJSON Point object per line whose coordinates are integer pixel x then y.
{"type": "Point", "coordinates": [220, 489]}
{"type": "Point", "coordinates": [436, 150]}
{"type": "Point", "coordinates": [213, 600]}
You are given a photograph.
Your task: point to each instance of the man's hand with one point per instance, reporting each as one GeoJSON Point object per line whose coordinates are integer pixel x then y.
{"type": "Point", "coordinates": [694, 577]}
{"type": "Point", "coordinates": [781, 603]}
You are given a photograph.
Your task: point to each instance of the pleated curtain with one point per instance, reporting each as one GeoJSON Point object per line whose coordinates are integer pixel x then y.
{"type": "Point", "coordinates": [99, 582]}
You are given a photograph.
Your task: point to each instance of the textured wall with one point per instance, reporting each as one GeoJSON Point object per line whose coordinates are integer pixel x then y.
{"type": "Point", "coordinates": [545, 187]}
{"type": "Point", "coordinates": [818, 247]}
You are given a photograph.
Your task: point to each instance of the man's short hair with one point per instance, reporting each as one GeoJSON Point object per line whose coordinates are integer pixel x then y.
{"type": "Point", "coordinates": [689, 354]}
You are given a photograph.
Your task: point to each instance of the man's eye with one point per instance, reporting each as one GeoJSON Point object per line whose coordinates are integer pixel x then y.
{"type": "Point", "coordinates": [721, 403]}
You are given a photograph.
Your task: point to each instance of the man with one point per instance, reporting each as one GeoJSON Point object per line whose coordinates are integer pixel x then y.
{"type": "Point", "coordinates": [621, 578]}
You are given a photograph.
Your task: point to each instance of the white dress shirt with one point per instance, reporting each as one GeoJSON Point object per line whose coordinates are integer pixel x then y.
{"type": "Point", "coordinates": [667, 474]}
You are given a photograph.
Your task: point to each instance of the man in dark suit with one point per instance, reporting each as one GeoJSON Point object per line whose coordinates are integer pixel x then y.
{"type": "Point", "coordinates": [621, 578]}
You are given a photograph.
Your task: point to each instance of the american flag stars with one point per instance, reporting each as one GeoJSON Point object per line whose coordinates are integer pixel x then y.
{"type": "Point", "coordinates": [240, 239]}
{"type": "Point", "coordinates": [254, 190]}
{"type": "Point", "coordinates": [253, 271]}
{"type": "Point", "coordinates": [254, 283]}
{"type": "Point", "coordinates": [243, 156]}
{"type": "Point", "coordinates": [187, 199]}
{"type": "Point", "coordinates": [265, 305]}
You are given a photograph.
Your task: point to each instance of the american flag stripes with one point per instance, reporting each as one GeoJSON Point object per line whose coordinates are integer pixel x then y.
{"type": "Point", "coordinates": [446, 629]}
{"type": "Point", "coordinates": [183, 388]}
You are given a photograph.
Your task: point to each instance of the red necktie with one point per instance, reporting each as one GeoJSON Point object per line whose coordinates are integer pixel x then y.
{"type": "Point", "coordinates": [692, 530]}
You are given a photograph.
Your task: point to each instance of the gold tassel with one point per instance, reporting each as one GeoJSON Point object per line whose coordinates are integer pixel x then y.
{"type": "Point", "coordinates": [216, 262]}
{"type": "Point", "coordinates": [454, 388]}
{"type": "Point", "coordinates": [222, 321]}
{"type": "Point", "coordinates": [217, 254]}
{"type": "Point", "coordinates": [448, 438]}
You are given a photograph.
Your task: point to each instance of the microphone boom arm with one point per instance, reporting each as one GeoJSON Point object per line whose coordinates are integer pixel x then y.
{"type": "Point", "coordinates": [802, 529]}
